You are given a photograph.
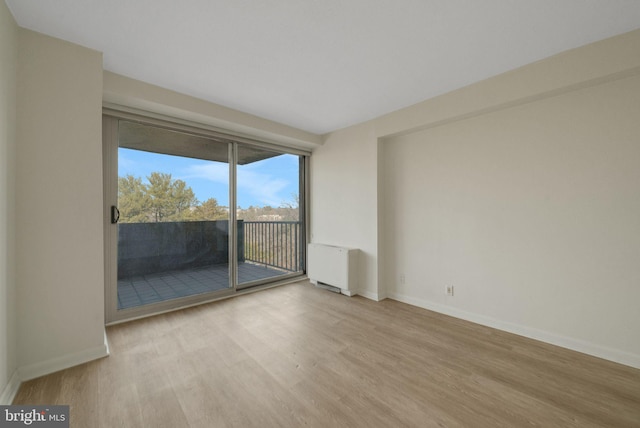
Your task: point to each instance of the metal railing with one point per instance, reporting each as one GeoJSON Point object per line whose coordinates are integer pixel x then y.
{"type": "Point", "coordinates": [274, 243]}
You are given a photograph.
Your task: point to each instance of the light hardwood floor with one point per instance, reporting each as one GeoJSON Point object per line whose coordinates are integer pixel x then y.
{"type": "Point", "coordinates": [301, 356]}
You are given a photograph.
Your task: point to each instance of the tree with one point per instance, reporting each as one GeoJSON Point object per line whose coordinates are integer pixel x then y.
{"type": "Point", "coordinates": [133, 201]}
{"type": "Point", "coordinates": [209, 210]}
{"type": "Point", "coordinates": [162, 199]}
{"type": "Point", "coordinates": [169, 198]}
{"type": "Point", "coordinates": [289, 210]}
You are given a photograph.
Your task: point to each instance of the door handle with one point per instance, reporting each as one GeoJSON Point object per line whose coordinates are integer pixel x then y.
{"type": "Point", "coordinates": [115, 214]}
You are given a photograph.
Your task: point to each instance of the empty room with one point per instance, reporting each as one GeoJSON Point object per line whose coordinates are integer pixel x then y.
{"type": "Point", "coordinates": [326, 214]}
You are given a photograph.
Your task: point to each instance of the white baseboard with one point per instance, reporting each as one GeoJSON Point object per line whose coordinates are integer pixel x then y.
{"type": "Point", "coordinates": [10, 390]}
{"type": "Point", "coordinates": [578, 345]}
{"type": "Point", "coordinates": [33, 371]}
{"type": "Point", "coordinates": [369, 295]}
{"type": "Point", "coordinates": [43, 368]}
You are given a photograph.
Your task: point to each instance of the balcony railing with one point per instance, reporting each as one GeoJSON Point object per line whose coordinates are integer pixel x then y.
{"type": "Point", "coordinates": [145, 248]}
{"type": "Point", "coordinates": [274, 243]}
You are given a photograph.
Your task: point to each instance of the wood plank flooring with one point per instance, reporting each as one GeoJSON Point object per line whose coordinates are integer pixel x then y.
{"type": "Point", "coordinates": [300, 356]}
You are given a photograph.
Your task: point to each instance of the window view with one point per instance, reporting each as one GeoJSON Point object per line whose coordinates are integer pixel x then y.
{"type": "Point", "coordinates": [173, 231]}
{"type": "Point", "coordinates": [173, 198]}
{"type": "Point", "coordinates": [268, 214]}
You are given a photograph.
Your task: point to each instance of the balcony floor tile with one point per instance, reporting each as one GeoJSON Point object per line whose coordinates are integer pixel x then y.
{"type": "Point", "coordinates": [153, 288]}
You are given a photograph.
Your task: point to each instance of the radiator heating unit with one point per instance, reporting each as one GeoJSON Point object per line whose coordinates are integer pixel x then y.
{"type": "Point", "coordinates": [333, 266]}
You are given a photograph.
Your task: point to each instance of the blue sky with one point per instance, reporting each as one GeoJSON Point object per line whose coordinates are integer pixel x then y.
{"type": "Point", "coordinates": [271, 182]}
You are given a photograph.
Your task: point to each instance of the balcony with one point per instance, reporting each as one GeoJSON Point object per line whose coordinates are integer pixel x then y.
{"type": "Point", "coordinates": [164, 261]}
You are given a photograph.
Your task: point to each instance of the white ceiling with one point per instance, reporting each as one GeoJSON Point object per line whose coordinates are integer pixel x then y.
{"type": "Point", "coordinates": [320, 65]}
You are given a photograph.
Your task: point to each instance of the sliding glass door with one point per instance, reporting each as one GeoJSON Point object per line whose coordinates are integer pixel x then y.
{"type": "Point", "coordinates": [173, 226]}
{"type": "Point", "coordinates": [269, 215]}
{"type": "Point", "coordinates": [192, 216]}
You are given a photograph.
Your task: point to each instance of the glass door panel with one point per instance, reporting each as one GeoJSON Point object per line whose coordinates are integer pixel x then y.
{"type": "Point", "coordinates": [173, 226]}
{"type": "Point", "coordinates": [270, 227]}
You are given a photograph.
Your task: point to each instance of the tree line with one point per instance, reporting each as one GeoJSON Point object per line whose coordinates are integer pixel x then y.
{"type": "Point", "coordinates": [164, 199]}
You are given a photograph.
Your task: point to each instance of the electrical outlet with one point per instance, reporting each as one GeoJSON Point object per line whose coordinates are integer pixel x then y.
{"type": "Point", "coordinates": [449, 290]}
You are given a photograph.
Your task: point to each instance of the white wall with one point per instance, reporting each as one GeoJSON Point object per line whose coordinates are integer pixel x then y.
{"type": "Point", "coordinates": [518, 190]}
{"type": "Point", "coordinates": [344, 198]}
{"type": "Point", "coordinates": [531, 213]}
{"type": "Point", "coordinates": [59, 257]}
{"type": "Point", "coordinates": [8, 64]}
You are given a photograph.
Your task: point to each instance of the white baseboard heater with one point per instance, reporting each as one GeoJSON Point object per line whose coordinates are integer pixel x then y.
{"type": "Point", "coordinates": [333, 266]}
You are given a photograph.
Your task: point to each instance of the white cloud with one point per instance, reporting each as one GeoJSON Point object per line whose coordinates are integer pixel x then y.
{"type": "Point", "coordinates": [216, 172]}
{"type": "Point", "coordinates": [263, 187]}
